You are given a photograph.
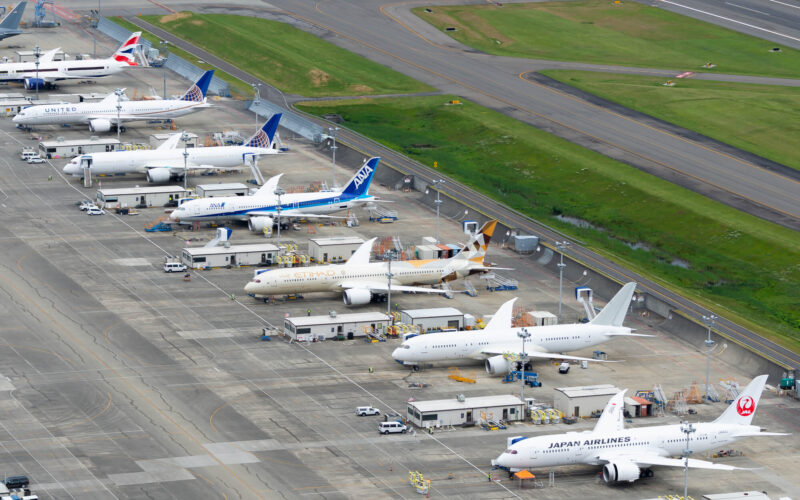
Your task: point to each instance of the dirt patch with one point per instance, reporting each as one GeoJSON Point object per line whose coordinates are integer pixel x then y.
{"type": "Point", "coordinates": [198, 22]}
{"type": "Point", "coordinates": [318, 77]}
{"type": "Point", "coordinates": [361, 88]}
{"type": "Point", "coordinates": [480, 28]}
{"type": "Point", "coordinates": [174, 17]}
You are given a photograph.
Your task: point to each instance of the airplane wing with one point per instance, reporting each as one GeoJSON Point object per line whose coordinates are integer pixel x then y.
{"type": "Point", "coordinates": [515, 347]}
{"type": "Point", "coordinates": [612, 419]}
{"type": "Point", "coordinates": [170, 143]}
{"type": "Point", "coordinates": [383, 287]}
{"type": "Point", "coordinates": [179, 166]}
{"type": "Point", "coordinates": [648, 459]}
{"type": "Point", "coordinates": [49, 55]}
{"type": "Point", "coordinates": [285, 214]}
{"type": "Point", "coordinates": [501, 320]}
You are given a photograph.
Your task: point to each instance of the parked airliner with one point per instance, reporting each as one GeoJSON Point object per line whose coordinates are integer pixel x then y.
{"type": "Point", "coordinates": [494, 342]}
{"type": "Point", "coordinates": [358, 278]}
{"type": "Point", "coordinates": [260, 209]}
{"type": "Point", "coordinates": [167, 161]}
{"type": "Point", "coordinates": [627, 454]}
{"type": "Point", "coordinates": [50, 71]}
{"type": "Point", "coordinates": [101, 116]}
{"type": "Point", "coordinates": [10, 25]}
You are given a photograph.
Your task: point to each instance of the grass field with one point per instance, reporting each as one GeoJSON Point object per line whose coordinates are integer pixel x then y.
{"type": "Point", "coordinates": [751, 117]}
{"type": "Point", "coordinates": [287, 58]}
{"type": "Point", "coordinates": [628, 34]}
{"type": "Point", "coordinates": [725, 258]}
{"type": "Point", "coordinates": [239, 89]}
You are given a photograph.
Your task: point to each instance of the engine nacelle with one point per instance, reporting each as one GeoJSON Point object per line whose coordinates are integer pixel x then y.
{"type": "Point", "coordinates": [158, 175]}
{"type": "Point", "coordinates": [34, 83]}
{"type": "Point", "coordinates": [258, 224]}
{"type": "Point", "coordinates": [614, 472]}
{"type": "Point", "coordinates": [357, 296]}
{"type": "Point", "coordinates": [100, 125]}
{"type": "Point", "coordinates": [496, 365]}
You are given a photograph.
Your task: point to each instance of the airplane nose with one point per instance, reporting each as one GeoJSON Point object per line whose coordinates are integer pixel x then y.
{"type": "Point", "coordinates": [397, 354]}
{"type": "Point", "coordinates": [174, 217]}
{"type": "Point", "coordinates": [17, 119]}
{"type": "Point", "coordinates": [250, 287]}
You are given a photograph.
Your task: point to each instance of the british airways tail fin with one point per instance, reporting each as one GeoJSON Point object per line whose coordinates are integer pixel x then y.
{"type": "Point", "coordinates": [125, 51]}
{"type": "Point", "coordinates": [265, 135]}
{"type": "Point", "coordinates": [743, 408]}
{"type": "Point", "coordinates": [11, 21]}
{"type": "Point", "coordinates": [197, 92]}
{"type": "Point", "coordinates": [613, 314]}
{"type": "Point", "coordinates": [358, 185]}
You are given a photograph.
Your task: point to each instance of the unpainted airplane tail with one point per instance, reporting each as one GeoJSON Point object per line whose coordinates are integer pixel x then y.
{"type": "Point", "coordinates": [265, 135]}
{"type": "Point", "coordinates": [11, 21]}
{"type": "Point", "coordinates": [613, 314]}
{"type": "Point", "coordinates": [125, 51]}
{"type": "Point", "coordinates": [743, 408]}
{"type": "Point", "coordinates": [358, 185]}
{"type": "Point", "coordinates": [197, 92]}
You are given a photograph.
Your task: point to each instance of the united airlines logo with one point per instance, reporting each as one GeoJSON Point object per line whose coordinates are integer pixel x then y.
{"type": "Point", "coordinates": [745, 406]}
{"type": "Point", "coordinates": [362, 175]}
{"type": "Point", "coordinates": [259, 140]}
{"type": "Point", "coordinates": [60, 109]}
{"type": "Point", "coordinates": [193, 94]}
{"type": "Point", "coordinates": [217, 205]}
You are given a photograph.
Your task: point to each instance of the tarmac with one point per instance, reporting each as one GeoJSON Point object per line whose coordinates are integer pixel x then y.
{"type": "Point", "coordinates": [118, 380]}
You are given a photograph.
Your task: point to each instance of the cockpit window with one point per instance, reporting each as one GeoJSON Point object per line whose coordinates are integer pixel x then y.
{"type": "Point", "coordinates": [511, 451]}
{"type": "Point", "coordinates": [405, 346]}
{"type": "Point", "coordinates": [257, 280]}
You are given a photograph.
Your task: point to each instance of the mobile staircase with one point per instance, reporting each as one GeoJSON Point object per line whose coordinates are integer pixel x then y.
{"type": "Point", "coordinates": [163, 223]}
{"type": "Point", "coordinates": [496, 283]}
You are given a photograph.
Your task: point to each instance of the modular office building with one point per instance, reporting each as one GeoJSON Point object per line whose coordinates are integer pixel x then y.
{"type": "Point", "coordinates": [461, 410]}
{"type": "Point", "coordinates": [582, 401]}
{"type": "Point", "coordinates": [307, 328]}
{"type": "Point", "coordinates": [259, 254]}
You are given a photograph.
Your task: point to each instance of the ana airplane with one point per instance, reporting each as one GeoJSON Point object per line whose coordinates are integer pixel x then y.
{"type": "Point", "coordinates": [627, 454]}
{"type": "Point", "coordinates": [10, 25]}
{"type": "Point", "coordinates": [167, 161]}
{"type": "Point", "coordinates": [498, 339]}
{"type": "Point", "coordinates": [50, 71]}
{"type": "Point", "coordinates": [358, 279]}
{"type": "Point", "coordinates": [101, 116]}
{"type": "Point", "coordinates": [260, 209]}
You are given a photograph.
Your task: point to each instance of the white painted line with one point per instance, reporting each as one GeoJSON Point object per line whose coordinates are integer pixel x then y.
{"type": "Point", "coordinates": [746, 8]}
{"type": "Point", "coordinates": [786, 4]}
{"type": "Point", "coordinates": [733, 21]}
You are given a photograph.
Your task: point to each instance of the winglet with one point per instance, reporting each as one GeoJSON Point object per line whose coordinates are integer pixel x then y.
{"type": "Point", "coordinates": [197, 92]}
{"type": "Point", "coordinates": [264, 136]}
{"type": "Point", "coordinates": [612, 419]}
{"type": "Point", "coordinates": [361, 256]}
{"type": "Point", "coordinates": [613, 314]}
{"type": "Point", "coordinates": [502, 318]}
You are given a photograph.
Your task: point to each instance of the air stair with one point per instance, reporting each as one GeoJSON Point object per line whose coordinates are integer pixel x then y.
{"type": "Point", "coordinates": [378, 213]}
{"type": "Point", "coordinates": [495, 282]}
{"type": "Point", "coordinates": [163, 223]}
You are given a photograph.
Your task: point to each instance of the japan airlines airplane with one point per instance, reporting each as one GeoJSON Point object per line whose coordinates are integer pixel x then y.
{"type": "Point", "coordinates": [624, 453]}
{"type": "Point", "coordinates": [167, 161]}
{"type": "Point", "coordinates": [260, 209]}
{"type": "Point", "coordinates": [498, 339]}
{"type": "Point", "coordinates": [358, 278]}
{"type": "Point", "coordinates": [51, 71]}
{"type": "Point", "coordinates": [101, 116]}
{"type": "Point", "coordinates": [10, 25]}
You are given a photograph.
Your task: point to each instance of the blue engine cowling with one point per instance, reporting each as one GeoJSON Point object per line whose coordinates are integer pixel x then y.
{"type": "Point", "coordinates": [34, 83]}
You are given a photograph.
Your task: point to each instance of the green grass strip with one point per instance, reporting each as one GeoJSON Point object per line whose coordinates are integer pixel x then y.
{"type": "Point", "coordinates": [287, 58]}
{"type": "Point", "coordinates": [628, 34]}
{"type": "Point", "coordinates": [723, 257]}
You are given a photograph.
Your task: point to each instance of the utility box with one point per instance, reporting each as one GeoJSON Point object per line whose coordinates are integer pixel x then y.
{"type": "Point", "coordinates": [543, 318]}
{"type": "Point", "coordinates": [436, 319]}
{"type": "Point", "coordinates": [333, 250]}
{"type": "Point", "coordinates": [524, 243]}
{"type": "Point", "coordinates": [222, 189]}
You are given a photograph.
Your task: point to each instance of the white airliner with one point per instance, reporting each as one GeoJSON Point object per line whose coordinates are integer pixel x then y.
{"type": "Point", "coordinates": [101, 116]}
{"type": "Point", "coordinates": [498, 339]}
{"type": "Point", "coordinates": [358, 278]}
{"type": "Point", "coordinates": [50, 71]}
{"type": "Point", "coordinates": [167, 161]}
{"type": "Point", "coordinates": [261, 209]}
{"type": "Point", "coordinates": [627, 454]}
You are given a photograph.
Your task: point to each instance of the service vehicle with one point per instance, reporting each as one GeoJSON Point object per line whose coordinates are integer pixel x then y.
{"type": "Point", "coordinates": [392, 428]}
{"type": "Point", "coordinates": [95, 211]}
{"type": "Point", "coordinates": [362, 411]}
{"type": "Point", "coordinates": [174, 267]}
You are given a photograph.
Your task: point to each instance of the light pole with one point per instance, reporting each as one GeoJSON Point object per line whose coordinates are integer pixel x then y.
{"type": "Point", "coordinates": [561, 245]}
{"type": "Point", "coordinates": [524, 334]}
{"type": "Point", "coordinates": [185, 138]}
{"type": "Point", "coordinates": [37, 53]}
{"type": "Point", "coordinates": [164, 44]}
{"type": "Point", "coordinates": [279, 192]}
{"type": "Point", "coordinates": [389, 277]}
{"type": "Point", "coordinates": [437, 186]}
{"type": "Point", "coordinates": [256, 99]}
{"type": "Point", "coordinates": [118, 93]}
{"type": "Point", "coordinates": [332, 133]}
{"type": "Point", "coordinates": [687, 429]}
{"type": "Point", "coordinates": [709, 320]}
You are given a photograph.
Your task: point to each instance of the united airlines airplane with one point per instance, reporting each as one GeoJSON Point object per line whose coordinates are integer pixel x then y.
{"type": "Point", "coordinates": [167, 161]}
{"type": "Point", "coordinates": [493, 343]}
{"type": "Point", "coordinates": [101, 116]}
{"type": "Point", "coordinates": [50, 71]}
{"type": "Point", "coordinates": [627, 454]}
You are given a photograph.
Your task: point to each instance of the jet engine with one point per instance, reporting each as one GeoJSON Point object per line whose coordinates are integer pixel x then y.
{"type": "Point", "coordinates": [158, 175]}
{"type": "Point", "coordinates": [357, 296]}
{"type": "Point", "coordinates": [258, 224]}
{"type": "Point", "coordinates": [100, 125]}
{"type": "Point", "coordinates": [620, 471]}
{"type": "Point", "coordinates": [496, 365]}
{"type": "Point", "coordinates": [34, 83]}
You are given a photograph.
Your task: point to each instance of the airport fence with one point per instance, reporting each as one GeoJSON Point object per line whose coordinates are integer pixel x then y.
{"type": "Point", "coordinates": [290, 120]}
{"type": "Point", "coordinates": [117, 32]}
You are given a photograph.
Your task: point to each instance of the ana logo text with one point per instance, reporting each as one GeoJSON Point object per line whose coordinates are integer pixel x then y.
{"type": "Point", "coordinates": [217, 205]}
{"type": "Point", "coordinates": [362, 175]}
{"type": "Point", "coordinates": [745, 406]}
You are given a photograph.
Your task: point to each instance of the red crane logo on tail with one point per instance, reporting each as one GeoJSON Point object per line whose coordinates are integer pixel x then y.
{"type": "Point", "coordinates": [745, 406]}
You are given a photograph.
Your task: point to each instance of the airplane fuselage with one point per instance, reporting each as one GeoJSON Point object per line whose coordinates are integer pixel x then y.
{"type": "Point", "coordinates": [85, 112]}
{"type": "Point", "coordinates": [92, 68]}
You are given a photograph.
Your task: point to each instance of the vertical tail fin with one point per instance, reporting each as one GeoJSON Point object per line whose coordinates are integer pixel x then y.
{"type": "Point", "coordinates": [11, 21]}
{"type": "Point", "coordinates": [265, 135]}
{"type": "Point", "coordinates": [197, 92]}
{"type": "Point", "coordinates": [475, 249]}
{"type": "Point", "coordinates": [358, 185]}
{"type": "Point", "coordinates": [743, 408]}
{"type": "Point", "coordinates": [125, 51]}
{"type": "Point", "coordinates": [613, 314]}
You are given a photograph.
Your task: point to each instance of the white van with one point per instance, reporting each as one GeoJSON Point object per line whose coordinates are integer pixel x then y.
{"type": "Point", "coordinates": [392, 428]}
{"type": "Point", "coordinates": [27, 153]}
{"type": "Point", "coordinates": [174, 267]}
